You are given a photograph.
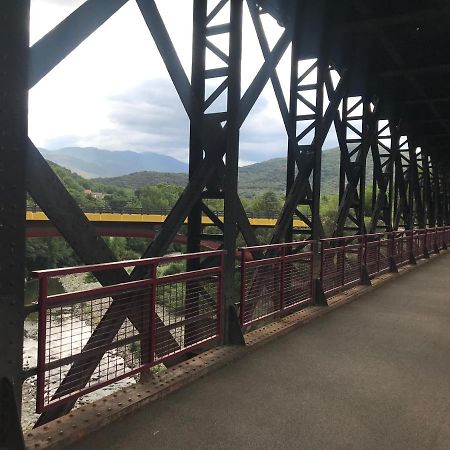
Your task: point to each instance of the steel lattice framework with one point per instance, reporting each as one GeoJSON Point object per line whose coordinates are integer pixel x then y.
{"type": "Point", "coordinates": [379, 76]}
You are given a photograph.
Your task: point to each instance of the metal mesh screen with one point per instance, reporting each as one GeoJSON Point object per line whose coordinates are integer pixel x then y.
{"type": "Point", "coordinates": [282, 278]}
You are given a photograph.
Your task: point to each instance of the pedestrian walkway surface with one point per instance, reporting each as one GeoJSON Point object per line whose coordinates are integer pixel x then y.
{"type": "Point", "coordinates": [374, 374]}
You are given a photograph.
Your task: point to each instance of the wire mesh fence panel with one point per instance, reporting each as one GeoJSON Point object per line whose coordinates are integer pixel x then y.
{"type": "Point", "coordinates": [91, 338]}
{"type": "Point", "coordinates": [76, 356]}
{"type": "Point", "coordinates": [341, 262]}
{"type": "Point", "coordinates": [274, 278]}
{"type": "Point", "coordinates": [352, 263]}
{"type": "Point", "coordinates": [372, 259]}
{"type": "Point", "coordinates": [378, 251]}
{"type": "Point", "coordinates": [419, 243]}
{"type": "Point", "coordinates": [332, 269]}
{"type": "Point", "coordinates": [402, 247]}
{"type": "Point", "coordinates": [431, 243]}
{"type": "Point", "coordinates": [261, 292]}
{"type": "Point", "coordinates": [188, 307]}
{"type": "Point", "coordinates": [439, 238]}
{"type": "Point", "coordinates": [297, 280]}
{"type": "Point", "coordinates": [385, 254]}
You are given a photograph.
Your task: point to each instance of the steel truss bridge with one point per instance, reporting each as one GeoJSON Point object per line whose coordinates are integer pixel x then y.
{"type": "Point", "coordinates": [377, 72]}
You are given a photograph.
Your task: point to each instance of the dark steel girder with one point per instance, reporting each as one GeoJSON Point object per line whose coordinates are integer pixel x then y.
{"type": "Point", "coordinates": [49, 51]}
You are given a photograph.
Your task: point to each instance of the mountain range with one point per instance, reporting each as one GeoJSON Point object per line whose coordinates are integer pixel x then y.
{"type": "Point", "coordinates": [91, 162]}
{"type": "Point", "coordinates": [134, 170]}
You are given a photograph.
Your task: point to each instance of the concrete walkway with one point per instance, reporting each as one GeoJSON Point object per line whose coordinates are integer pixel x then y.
{"type": "Point", "coordinates": [374, 374]}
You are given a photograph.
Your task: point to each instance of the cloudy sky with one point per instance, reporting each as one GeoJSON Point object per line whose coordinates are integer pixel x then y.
{"type": "Point", "coordinates": [114, 92]}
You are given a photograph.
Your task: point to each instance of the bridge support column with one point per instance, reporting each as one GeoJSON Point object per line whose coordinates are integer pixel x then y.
{"type": "Point", "coordinates": [223, 186]}
{"type": "Point", "coordinates": [14, 40]}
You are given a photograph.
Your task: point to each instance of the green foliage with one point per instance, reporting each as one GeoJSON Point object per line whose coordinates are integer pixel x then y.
{"type": "Point", "coordinates": [267, 204]}
{"type": "Point", "coordinates": [172, 268]}
{"type": "Point", "coordinates": [48, 253]}
{"type": "Point", "coordinates": [160, 197]}
{"type": "Point", "coordinates": [89, 278]}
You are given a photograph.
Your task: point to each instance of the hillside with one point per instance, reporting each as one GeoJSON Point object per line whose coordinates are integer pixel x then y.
{"type": "Point", "coordinates": [92, 162]}
{"type": "Point", "coordinates": [145, 178]}
{"type": "Point", "coordinates": [254, 178]}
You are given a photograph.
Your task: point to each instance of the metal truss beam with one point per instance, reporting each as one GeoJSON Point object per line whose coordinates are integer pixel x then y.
{"type": "Point", "coordinates": [49, 51]}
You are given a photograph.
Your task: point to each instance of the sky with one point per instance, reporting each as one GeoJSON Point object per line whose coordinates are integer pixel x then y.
{"type": "Point", "coordinates": [113, 91]}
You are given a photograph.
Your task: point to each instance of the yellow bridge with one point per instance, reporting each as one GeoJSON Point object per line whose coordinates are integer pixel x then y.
{"type": "Point", "coordinates": [154, 218]}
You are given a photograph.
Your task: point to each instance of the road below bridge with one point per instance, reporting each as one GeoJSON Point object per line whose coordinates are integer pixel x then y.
{"type": "Point", "coordinates": [373, 374]}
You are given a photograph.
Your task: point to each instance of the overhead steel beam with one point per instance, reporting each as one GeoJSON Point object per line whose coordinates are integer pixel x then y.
{"type": "Point", "coordinates": [424, 99]}
{"type": "Point", "coordinates": [424, 69]}
{"type": "Point", "coordinates": [400, 62]}
{"type": "Point", "coordinates": [56, 45]}
{"type": "Point", "coordinates": [415, 17]}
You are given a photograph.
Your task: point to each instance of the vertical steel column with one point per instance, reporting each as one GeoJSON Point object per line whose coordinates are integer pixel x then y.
{"type": "Point", "coordinates": [427, 203]}
{"type": "Point", "coordinates": [417, 216]}
{"type": "Point", "coordinates": [230, 183]}
{"type": "Point", "coordinates": [194, 227]}
{"type": "Point", "coordinates": [203, 110]}
{"type": "Point", "coordinates": [383, 177]}
{"type": "Point", "coordinates": [14, 40]}
{"type": "Point", "coordinates": [308, 125]}
{"type": "Point", "coordinates": [354, 151]}
{"type": "Point", "coordinates": [403, 193]}
{"type": "Point", "coordinates": [292, 146]}
{"type": "Point", "coordinates": [322, 67]}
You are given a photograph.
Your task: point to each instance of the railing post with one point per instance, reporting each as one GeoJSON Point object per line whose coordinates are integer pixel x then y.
{"type": "Point", "coordinates": [42, 336]}
{"type": "Point", "coordinates": [392, 263]}
{"type": "Point", "coordinates": [412, 258]}
{"type": "Point", "coordinates": [243, 288]}
{"type": "Point", "coordinates": [282, 268]}
{"type": "Point", "coordinates": [220, 300]}
{"type": "Point", "coordinates": [426, 253]}
{"type": "Point", "coordinates": [319, 298]}
{"type": "Point", "coordinates": [153, 300]}
{"type": "Point", "coordinates": [363, 250]}
{"type": "Point", "coordinates": [437, 238]}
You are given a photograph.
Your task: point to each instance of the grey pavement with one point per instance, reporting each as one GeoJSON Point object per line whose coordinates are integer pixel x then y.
{"type": "Point", "coordinates": [374, 374]}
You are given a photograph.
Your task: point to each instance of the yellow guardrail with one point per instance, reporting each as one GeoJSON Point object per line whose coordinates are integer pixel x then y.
{"type": "Point", "coordinates": [155, 218]}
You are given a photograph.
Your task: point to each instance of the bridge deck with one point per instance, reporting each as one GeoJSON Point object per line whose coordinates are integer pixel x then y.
{"type": "Point", "coordinates": [372, 374]}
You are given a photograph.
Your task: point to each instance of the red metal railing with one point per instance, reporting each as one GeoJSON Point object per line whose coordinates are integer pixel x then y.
{"type": "Point", "coordinates": [280, 280]}
{"type": "Point", "coordinates": [99, 335]}
{"type": "Point", "coordinates": [341, 263]}
{"type": "Point", "coordinates": [94, 337]}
